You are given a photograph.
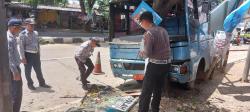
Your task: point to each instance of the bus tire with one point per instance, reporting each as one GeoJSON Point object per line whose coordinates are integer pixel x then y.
{"type": "Point", "coordinates": [190, 85]}
{"type": "Point", "coordinates": [200, 74]}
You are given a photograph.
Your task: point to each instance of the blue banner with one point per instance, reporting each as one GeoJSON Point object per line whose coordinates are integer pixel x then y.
{"type": "Point", "coordinates": [145, 7]}
{"type": "Point", "coordinates": [236, 17]}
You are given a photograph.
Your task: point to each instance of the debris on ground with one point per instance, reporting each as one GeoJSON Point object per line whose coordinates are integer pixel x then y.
{"type": "Point", "coordinates": [71, 96]}
{"type": "Point", "coordinates": [105, 99]}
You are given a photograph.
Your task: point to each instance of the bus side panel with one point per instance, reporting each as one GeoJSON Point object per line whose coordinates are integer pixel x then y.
{"type": "Point", "coordinates": [195, 58]}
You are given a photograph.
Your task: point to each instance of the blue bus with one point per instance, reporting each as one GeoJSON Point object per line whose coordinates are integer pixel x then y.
{"type": "Point", "coordinates": [192, 26]}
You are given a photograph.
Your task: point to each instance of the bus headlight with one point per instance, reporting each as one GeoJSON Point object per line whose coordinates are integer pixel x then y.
{"type": "Point", "coordinates": [176, 69]}
{"type": "Point", "coordinates": [117, 65]}
{"type": "Point", "coordinates": [180, 69]}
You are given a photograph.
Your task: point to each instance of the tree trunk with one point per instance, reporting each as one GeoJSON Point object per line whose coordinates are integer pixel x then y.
{"type": "Point", "coordinates": [5, 95]}
{"type": "Point", "coordinates": [87, 25]}
{"type": "Point", "coordinates": [82, 5]}
{"type": "Point", "coordinates": [91, 4]}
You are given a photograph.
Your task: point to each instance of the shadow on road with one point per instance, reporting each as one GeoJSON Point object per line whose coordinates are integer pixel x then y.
{"type": "Point", "coordinates": [242, 98]}
{"type": "Point", "coordinates": [230, 88]}
{"type": "Point", "coordinates": [130, 85]}
{"type": "Point", "coordinates": [41, 89]}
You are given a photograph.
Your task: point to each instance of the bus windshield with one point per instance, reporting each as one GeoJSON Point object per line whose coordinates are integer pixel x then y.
{"type": "Point", "coordinates": [172, 13]}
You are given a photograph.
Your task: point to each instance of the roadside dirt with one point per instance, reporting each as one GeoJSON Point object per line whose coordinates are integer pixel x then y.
{"type": "Point", "coordinates": [225, 93]}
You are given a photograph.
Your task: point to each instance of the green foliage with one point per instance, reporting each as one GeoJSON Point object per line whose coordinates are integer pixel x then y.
{"type": "Point", "coordinates": [27, 1]}
{"type": "Point", "coordinates": [103, 4]}
{"type": "Point", "coordinates": [61, 2]}
{"type": "Point", "coordinates": [103, 7]}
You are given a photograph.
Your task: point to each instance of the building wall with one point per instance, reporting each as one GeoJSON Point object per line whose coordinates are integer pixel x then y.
{"type": "Point", "coordinates": [47, 16]}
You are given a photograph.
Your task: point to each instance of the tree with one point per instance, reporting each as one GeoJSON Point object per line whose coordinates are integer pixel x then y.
{"type": "Point", "coordinates": [82, 5]}
{"type": "Point", "coordinates": [5, 95]}
{"type": "Point", "coordinates": [88, 3]}
{"type": "Point", "coordinates": [103, 7]}
{"type": "Point", "coordinates": [87, 10]}
{"type": "Point", "coordinates": [61, 2]}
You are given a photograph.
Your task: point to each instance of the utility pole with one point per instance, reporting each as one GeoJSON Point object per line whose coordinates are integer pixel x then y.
{"type": "Point", "coordinates": [5, 95]}
{"type": "Point", "coordinates": [247, 66]}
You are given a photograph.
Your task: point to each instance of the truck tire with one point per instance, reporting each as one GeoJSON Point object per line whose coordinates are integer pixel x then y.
{"type": "Point", "coordinates": [190, 85]}
{"type": "Point", "coordinates": [200, 76]}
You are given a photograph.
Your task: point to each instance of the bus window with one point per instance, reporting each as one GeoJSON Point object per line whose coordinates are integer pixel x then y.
{"type": "Point", "coordinates": [174, 20]}
{"type": "Point", "coordinates": [193, 20]}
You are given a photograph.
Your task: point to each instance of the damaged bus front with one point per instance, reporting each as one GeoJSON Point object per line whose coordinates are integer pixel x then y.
{"type": "Point", "coordinates": [192, 26]}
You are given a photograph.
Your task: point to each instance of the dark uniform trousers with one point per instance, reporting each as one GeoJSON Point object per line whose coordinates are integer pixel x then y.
{"type": "Point", "coordinates": [153, 83]}
{"type": "Point", "coordinates": [17, 92]}
{"type": "Point", "coordinates": [84, 73]}
{"type": "Point", "coordinates": [33, 60]}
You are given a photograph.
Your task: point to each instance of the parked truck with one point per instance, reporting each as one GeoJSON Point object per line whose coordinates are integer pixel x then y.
{"type": "Point", "coordinates": [192, 26]}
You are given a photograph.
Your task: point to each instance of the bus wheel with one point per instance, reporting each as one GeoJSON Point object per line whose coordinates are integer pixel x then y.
{"type": "Point", "coordinates": [190, 85]}
{"type": "Point", "coordinates": [201, 75]}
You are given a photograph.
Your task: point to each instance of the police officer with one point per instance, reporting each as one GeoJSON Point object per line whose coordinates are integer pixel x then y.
{"type": "Point", "coordinates": [14, 26]}
{"type": "Point", "coordinates": [30, 54]}
{"type": "Point", "coordinates": [157, 50]}
{"type": "Point", "coordinates": [82, 55]}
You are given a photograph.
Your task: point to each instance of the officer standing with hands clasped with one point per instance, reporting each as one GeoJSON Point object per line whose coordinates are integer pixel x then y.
{"type": "Point", "coordinates": [157, 50]}
{"type": "Point", "coordinates": [30, 54]}
{"type": "Point", "coordinates": [14, 26]}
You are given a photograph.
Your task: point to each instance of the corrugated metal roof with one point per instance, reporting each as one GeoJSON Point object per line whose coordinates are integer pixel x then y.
{"type": "Point", "coordinates": [18, 5]}
{"type": "Point", "coordinates": [26, 6]}
{"type": "Point", "coordinates": [58, 8]}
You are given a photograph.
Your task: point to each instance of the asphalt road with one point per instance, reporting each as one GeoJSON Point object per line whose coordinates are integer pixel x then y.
{"type": "Point", "coordinates": [60, 71]}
